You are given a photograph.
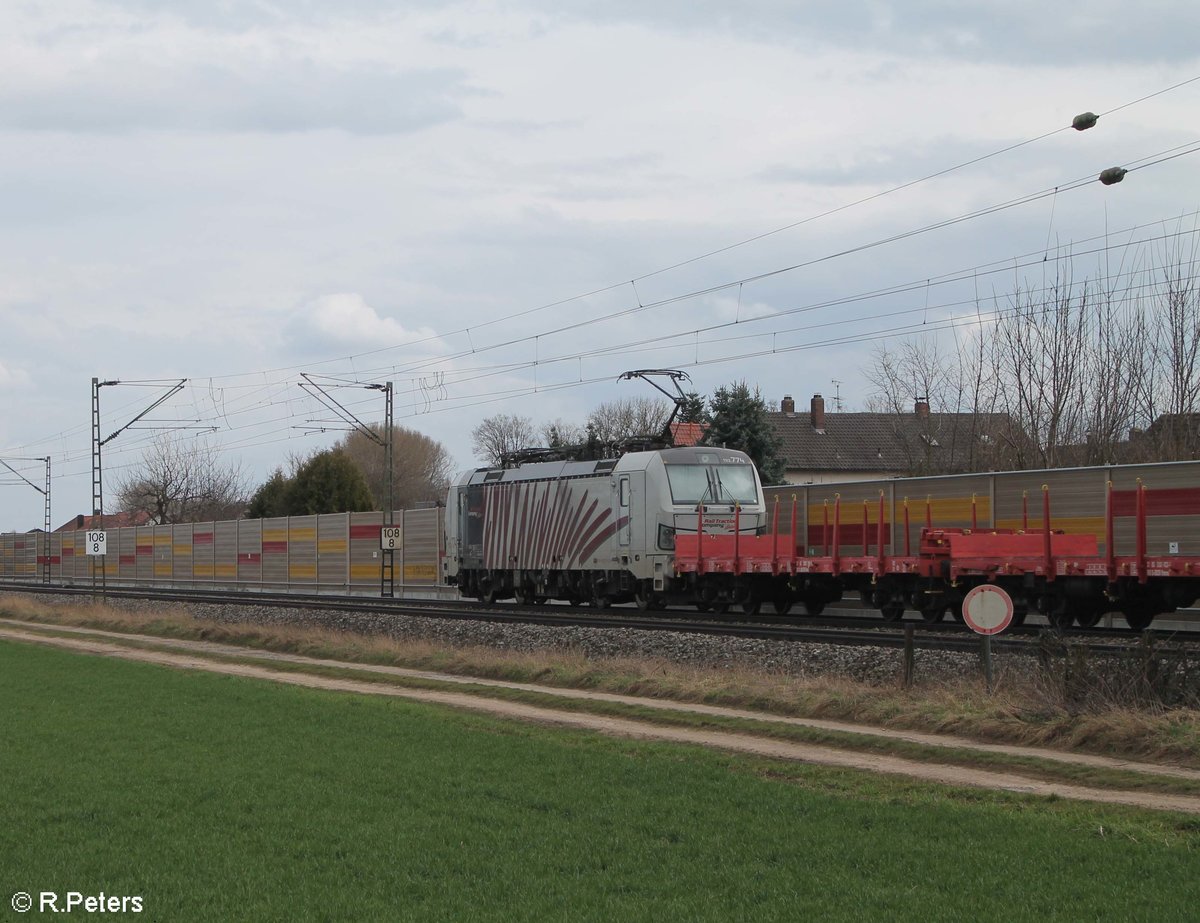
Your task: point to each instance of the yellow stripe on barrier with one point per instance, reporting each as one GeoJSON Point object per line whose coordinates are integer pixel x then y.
{"type": "Point", "coordinates": [420, 573]}
{"type": "Point", "coordinates": [303, 571]}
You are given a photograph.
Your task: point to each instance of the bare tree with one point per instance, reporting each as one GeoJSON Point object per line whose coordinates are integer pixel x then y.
{"type": "Point", "coordinates": [1040, 362]}
{"type": "Point", "coordinates": [497, 436]}
{"type": "Point", "coordinates": [421, 467]}
{"type": "Point", "coordinates": [183, 479]}
{"type": "Point", "coordinates": [636, 416]}
{"type": "Point", "coordinates": [560, 432]}
{"type": "Point", "coordinates": [1173, 402]}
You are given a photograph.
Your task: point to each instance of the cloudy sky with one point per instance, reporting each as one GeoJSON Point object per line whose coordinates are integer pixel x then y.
{"type": "Point", "coordinates": [501, 207]}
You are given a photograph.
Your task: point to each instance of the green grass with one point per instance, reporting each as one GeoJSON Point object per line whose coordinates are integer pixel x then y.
{"type": "Point", "coordinates": [220, 798]}
{"type": "Point", "coordinates": [1028, 766]}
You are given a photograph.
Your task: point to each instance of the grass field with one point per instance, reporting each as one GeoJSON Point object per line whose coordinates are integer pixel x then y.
{"type": "Point", "coordinates": [218, 798]}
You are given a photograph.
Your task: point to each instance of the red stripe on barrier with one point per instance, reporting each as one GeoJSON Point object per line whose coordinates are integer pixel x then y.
{"type": "Point", "coordinates": [1163, 501]}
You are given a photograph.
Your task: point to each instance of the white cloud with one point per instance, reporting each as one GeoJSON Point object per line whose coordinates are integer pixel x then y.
{"type": "Point", "coordinates": [344, 321]}
{"type": "Point", "coordinates": [12, 377]}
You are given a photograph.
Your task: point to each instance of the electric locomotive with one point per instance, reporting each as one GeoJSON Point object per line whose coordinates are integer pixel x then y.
{"type": "Point", "coordinates": [598, 532]}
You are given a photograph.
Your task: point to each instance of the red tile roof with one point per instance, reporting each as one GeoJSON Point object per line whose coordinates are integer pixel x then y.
{"type": "Point", "coordinates": [684, 434]}
{"type": "Point", "coordinates": [108, 521]}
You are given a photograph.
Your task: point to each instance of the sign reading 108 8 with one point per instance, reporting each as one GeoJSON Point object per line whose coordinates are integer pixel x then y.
{"type": "Point", "coordinates": [97, 543]}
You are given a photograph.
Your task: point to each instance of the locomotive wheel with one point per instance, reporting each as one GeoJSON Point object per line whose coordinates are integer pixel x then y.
{"type": "Point", "coordinates": [892, 613]}
{"type": "Point", "coordinates": [644, 598]}
{"type": "Point", "coordinates": [782, 605]}
{"type": "Point", "coordinates": [601, 601]}
{"type": "Point", "coordinates": [490, 595]}
{"type": "Point", "coordinates": [574, 601]}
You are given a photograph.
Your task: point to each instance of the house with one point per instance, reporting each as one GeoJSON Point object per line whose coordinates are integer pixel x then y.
{"type": "Point", "coordinates": [818, 446]}
{"type": "Point", "coordinates": [82, 523]}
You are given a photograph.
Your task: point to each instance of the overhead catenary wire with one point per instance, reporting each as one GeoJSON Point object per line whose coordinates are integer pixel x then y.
{"type": "Point", "coordinates": [429, 362]}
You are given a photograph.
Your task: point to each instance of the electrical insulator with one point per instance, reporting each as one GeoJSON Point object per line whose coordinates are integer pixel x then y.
{"type": "Point", "coordinates": [1112, 175]}
{"type": "Point", "coordinates": [1084, 121]}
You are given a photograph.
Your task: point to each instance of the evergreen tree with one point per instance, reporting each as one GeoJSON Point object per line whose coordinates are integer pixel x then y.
{"type": "Point", "coordinates": [326, 482]}
{"type": "Point", "coordinates": [271, 497]}
{"type": "Point", "coordinates": [693, 409]}
{"type": "Point", "coordinates": [329, 482]}
{"type": "Point", "coordinates": [739, 421]}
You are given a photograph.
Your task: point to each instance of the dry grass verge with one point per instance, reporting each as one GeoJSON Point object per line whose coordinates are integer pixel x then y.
{"type": "Point", "coordinates": [1021, 711]}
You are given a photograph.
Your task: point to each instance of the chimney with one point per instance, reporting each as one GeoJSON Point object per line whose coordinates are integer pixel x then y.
{"type": "Point", "coordinates": [787, 405]}
{"type": "Point", "coordinates": [818, 413]}
{"type": "Point", "coordinates": [922, 408]}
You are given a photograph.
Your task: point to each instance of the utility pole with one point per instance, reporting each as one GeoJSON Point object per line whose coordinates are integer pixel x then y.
{"type": "Point", "coordinates": [387, 574]}
{"type": "Point", "coordinates": [45, 492]}
{"type": "Point", "coordinates": [97, 461]}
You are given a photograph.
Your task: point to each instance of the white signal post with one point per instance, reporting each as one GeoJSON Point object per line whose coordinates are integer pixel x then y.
{"type": "Point", "coordinates": [988, 610]}
{"type": "Point", "coordinates": [97, 544]}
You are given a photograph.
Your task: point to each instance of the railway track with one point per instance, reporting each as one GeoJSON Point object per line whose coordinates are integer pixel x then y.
{"type": "Point", "coordinates": [865, 630]}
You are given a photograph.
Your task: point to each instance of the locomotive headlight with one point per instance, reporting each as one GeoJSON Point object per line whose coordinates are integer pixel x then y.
{"type": "Point", "coordinates": [666, 538]}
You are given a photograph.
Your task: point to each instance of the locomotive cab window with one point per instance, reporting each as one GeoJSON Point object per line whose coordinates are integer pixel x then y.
{"type": "Point", "coordinates": [693, 484]}
{"type": "Point", "coordinates": [623, 491]}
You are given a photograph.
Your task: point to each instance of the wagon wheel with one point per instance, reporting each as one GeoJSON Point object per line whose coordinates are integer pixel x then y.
{"type": "Point", "coordinates": [490, 595]}
{"type": "Point", "coordinates": [574, 601]}
{"type": "Point", "coordinates": [720, 607]}
{"type": "Point", "coordinates": [1060, 615]}
{"type": "Point", "coordinates": [702, 606]}
{"type": "Point", "coordinates": [751, 604]}
{"type": "Point", "coordinates": [1089, 615]}
{"type": "Point", "coordinates": [892, 613]}
{"type": "Point", "coordinates": [814, 606]}
{"type": "Point", "coordinates": [540, 600]}
{"type": "Point", "coordinates": [931, 615]}
{"type": "Point", "coordinates": [1020, 610]}
{"type": "Point", "coordinates": [782, 605]}
{"type": "Point", "coordinates": [1139, 617]}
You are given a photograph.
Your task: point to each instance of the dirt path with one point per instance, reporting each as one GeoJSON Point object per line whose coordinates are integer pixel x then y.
{"type": "Point", "coordinates": [622, 727]}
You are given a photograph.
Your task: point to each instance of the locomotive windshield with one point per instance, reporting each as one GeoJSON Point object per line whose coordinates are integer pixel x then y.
{"type": "Point", "coordinates": [693, 484]}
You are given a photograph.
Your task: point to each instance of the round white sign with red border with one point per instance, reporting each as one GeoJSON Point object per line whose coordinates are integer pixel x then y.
{"type": "Point", "coordinates": [987, 609]}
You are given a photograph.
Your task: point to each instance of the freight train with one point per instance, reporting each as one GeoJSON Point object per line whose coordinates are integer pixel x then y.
{"type": "Point", "coordinates": [1072, 544]}
{"type": "Point", "coordinates": [694, 526]}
